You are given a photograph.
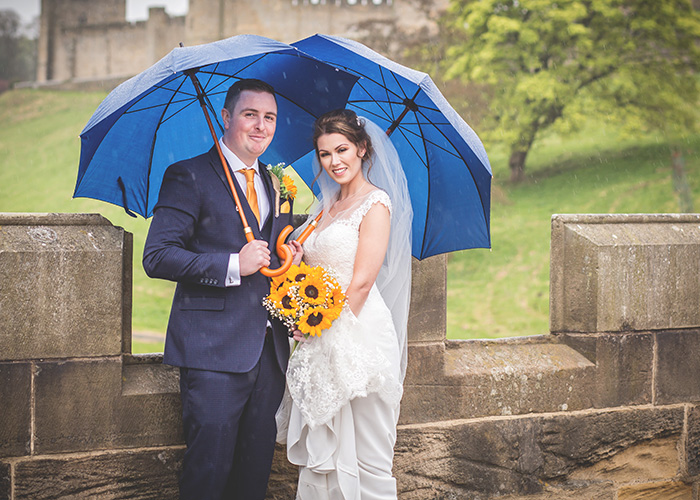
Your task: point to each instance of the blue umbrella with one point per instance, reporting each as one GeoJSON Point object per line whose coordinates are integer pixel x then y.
{"type": "Point", "coordinates": [155, 118]}
{"type": "Point", "coordinates": [448, 172]}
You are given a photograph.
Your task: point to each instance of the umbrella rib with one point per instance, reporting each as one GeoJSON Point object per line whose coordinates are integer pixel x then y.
{"type": "Point", "coordinates": [394, 102]}
{"type": "Point", "coordinates": [481, 199]}
{"type": "Point", "coordinates": [151, 90]}
{"type": "Point", "coordinates": [405, 130]}
{"type": "Point", "coordinates": [153, 144]}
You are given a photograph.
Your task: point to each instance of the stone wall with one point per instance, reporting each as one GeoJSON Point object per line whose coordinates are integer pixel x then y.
{"type": "Point", "coordinates": [90, 39]}
{"type": "Point", "coordinates": [605, 407]}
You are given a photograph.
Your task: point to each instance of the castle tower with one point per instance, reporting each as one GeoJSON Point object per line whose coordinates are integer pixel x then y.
{"type": "Point", "coordinates": [62, 23]}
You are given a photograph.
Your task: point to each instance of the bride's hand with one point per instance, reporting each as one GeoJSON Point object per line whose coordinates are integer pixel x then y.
{"type": "Point", "coordinates": [298, 336]}
{"type": "Point", "coordinates": [297, 252]}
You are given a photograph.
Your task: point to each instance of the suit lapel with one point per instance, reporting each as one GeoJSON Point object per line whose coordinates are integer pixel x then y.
{"type": "Point", "coordinates": [250, 217]}
{"type": "Point", "coordinates": [269, 190]}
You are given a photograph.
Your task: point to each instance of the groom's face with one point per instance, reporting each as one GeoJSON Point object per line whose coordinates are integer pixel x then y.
{"type": "Point", "coordinates": [251, 125]}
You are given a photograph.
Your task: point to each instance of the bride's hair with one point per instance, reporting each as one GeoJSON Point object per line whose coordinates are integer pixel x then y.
{"type": "Point", "coordinates": [345, 122]}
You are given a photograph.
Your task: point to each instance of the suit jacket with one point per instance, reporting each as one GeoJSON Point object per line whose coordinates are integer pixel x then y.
{"type": "Point", "coordinates": [195, 228]}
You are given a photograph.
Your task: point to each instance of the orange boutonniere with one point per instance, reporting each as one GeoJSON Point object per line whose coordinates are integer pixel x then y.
{"type": "Point", "coordinates": [287, 188]}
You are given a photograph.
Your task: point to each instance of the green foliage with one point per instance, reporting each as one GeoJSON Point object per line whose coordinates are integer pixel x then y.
{"type": "Point", "coordinates": [551, 62]}
{"type": "Point", "coordinates": [17, 52]}
{"type": "Point", "coordinates": [504, 292]}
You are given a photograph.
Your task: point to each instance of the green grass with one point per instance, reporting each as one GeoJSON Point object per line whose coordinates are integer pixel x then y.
{"type": "Point", "coordinates": [505, 292]}
{"type": "Point", "coordinates": [491, 293]}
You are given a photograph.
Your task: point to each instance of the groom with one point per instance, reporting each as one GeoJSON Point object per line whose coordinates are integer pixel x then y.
{"type": "Point", "coordinates": [232, 358]}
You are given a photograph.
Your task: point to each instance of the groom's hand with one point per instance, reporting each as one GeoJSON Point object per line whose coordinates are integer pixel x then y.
{"type": "Point", "coordinates": [253, 256]}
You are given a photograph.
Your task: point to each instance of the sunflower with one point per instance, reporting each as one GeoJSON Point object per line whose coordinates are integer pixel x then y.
{"type": "Point", "coordinates": [289, 187]}
{"type": "Point", "coordinates": [313, 321]}
{"type": "Point", "coordinates": [298, 273]}
{"type": "Point", "coordinates": [284, 299]}
{"type": "Point", "coordinates": [313, 290]}
{"type": "Point", "coordinates": [336, 299]}
{"type": "Point", "coordinates": [277, 282]}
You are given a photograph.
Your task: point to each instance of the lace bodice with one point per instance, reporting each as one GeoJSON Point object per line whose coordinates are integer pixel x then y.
{"type": "Point", "coordinates": [335, 246]}
{"type": "Point", "coordinates": [356, 355]}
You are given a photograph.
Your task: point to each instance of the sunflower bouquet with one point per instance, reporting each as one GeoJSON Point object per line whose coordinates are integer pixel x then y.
{"type": "Point", "coordinates": [305, 298]}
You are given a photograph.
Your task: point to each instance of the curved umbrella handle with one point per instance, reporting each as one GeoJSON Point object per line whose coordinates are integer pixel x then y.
{"type": "Point", "coordinates": [284, 253]}
{"type": "Point", "coordinates": [283, 250]}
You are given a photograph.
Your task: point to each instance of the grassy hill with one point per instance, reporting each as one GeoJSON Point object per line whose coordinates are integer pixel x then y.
{"type": "Point", "coordinates": [491, 293]}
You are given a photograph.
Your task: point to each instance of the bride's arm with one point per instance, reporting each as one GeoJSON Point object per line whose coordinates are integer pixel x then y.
{"type": "Point", "coordinates": [374, 239]}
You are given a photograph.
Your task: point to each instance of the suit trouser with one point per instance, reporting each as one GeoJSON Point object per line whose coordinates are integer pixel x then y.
{"type": "Point", "coordinates": [229, 426]}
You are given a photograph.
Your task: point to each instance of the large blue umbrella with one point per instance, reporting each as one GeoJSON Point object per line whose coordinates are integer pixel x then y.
{"type": "Point", "coordinates": [155, 118]}
{"type": "Point", "coordinates": [448, 172]}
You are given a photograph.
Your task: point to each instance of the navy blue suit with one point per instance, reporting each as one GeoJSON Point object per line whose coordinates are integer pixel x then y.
{"type": "Point", "coordinates": [232, 370]}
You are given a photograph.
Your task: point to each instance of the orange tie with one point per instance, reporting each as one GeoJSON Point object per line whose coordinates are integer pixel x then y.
{"type": "Point", "coordinates": [250, 191]}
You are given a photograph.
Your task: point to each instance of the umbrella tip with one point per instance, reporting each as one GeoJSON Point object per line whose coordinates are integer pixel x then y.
{"type": "Point", "coordinates": [182, 44]}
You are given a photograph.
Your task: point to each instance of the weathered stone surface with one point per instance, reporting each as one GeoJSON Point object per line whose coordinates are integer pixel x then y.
{"type": "Point", "coordinates": [60, 286]}
{"type": "Point", "coordinates": [427, 320]}
{"type": "Point", "coordinates": [692, 442]}
{"type": "Point", "coordinates": [573, 490]}
{"type": "Point", "coordinates": [508, 377]}
{"type": "Point", "coordinates": [650, 461]}
{"type": "Point", "coordinates": [624, 364]}
{"type": "Point", "coordinates": [127, 291]}
{"type": "Point", "coordinates": [669, 490]}
{"type": "Point", "coordinates": [80, 406]}
{"type": "Point", "coordinates": [283, 477]}
{"type": "Point", "coordinates": [15, 399]}
{"type": "Point", "coordinates": [5, 481]}
{"type": "Point", "coordinates": [624, 272]}
{"type": "Point", "coordinates": [149, 378]}
{"type": "Point", "coordinates": [678, 372]}
{"type": "Point", "coordinates": [138, 474]}
{"type": "Point", "coordinates": [517, 456]}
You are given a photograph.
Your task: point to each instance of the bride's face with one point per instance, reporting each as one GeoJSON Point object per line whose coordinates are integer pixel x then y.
{"type": "Point", "coordinates": [340, 158]}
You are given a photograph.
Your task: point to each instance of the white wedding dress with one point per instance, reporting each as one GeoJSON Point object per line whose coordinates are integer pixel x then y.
{"type": "Point", "coordinates": [341, 405]}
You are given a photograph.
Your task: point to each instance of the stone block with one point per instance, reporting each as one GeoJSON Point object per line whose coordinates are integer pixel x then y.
{"type": "Point", "coordinates": [670, 490]}
{"type": "Point", "coordinates": [521, 455]}
{"type": "Point", "coordinates": [571, 491]}
{"type": "Point", "coordinates": [5, 481]}
{"type": "Point", "coordinates": [652, 460]}
{"type": "Point", "coordinates": [624, 363]}
{"type": "Point", "coordinates": [283, 476]}
{"type": "Point", "coordinates": [692, 443]}
{"type": "Point", "coordinates": [678, 369]}
{"type": "Point", "coordinates": [612, 273]}
{"type": "Point", "coordinates": [427, 321]}
{"type": "Point", "coordinates": [60, 286]}
{"type": "Point", "coordinates": [80, 406]}
{"type": "Point", "coordinates": [15, 398]}
{"type": "Point", "coordinates": [137, 474]}
{"type": "Point", "coordinates": [505, 377]}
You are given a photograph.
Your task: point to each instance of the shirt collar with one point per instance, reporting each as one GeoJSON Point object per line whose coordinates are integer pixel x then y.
{"type": "Point", "coordinates": [234, 161]}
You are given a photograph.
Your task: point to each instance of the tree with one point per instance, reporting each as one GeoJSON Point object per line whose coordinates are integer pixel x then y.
{"type": "Point", "coordinates": [17, 52]}
{"type": "Point", "coordinates": [550, 61]}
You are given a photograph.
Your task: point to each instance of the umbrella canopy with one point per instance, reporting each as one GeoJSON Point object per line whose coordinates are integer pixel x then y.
{"type": "Point", "coordinates": [155, 119]}
{"type": "Point", "coordinates": [448, 172]}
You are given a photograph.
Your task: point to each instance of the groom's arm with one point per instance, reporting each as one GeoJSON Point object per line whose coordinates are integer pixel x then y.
{"type": "Point", "coordinates": [166, 254]}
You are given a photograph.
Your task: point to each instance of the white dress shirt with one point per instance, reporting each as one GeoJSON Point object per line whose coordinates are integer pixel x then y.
{"type": "Point", "coordinates": [233, 276]}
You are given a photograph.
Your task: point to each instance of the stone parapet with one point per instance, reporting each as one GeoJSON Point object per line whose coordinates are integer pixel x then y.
{"type": "Point", "coordinates": [61, 292]}
{"type": "Point", "coordinates": [619, 273]}
{"type": "Point", "coordinates": [585, 415]}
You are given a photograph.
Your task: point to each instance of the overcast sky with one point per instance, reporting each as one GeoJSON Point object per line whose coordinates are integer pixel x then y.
{"type": "Point", "coordinates": [136, 10]}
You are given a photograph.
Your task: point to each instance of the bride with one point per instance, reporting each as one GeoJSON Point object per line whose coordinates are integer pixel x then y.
{"type": "Point", "coordinates": [341, 406]}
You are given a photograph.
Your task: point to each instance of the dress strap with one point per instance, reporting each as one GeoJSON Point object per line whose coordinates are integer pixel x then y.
{"type": "Point", "coordinates": [376, 196]}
